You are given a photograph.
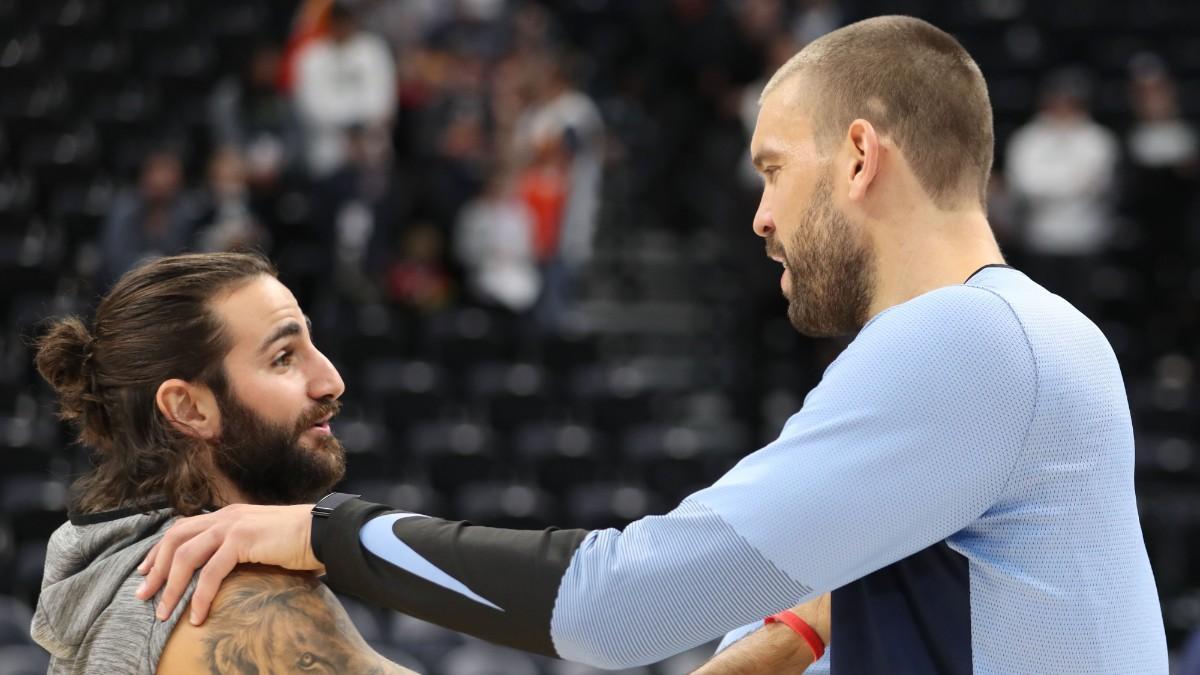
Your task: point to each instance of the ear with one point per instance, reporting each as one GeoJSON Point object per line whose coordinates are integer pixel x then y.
{"type": "Point", "coordinates": [863, 163]}
{"type": "Point", "coordinates": [191, 409]}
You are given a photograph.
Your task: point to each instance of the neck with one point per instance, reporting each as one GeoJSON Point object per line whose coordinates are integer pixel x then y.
{"type": "Point", "coordinates": [225, 493]}
{"type": "Point", "coordinates": [936, 249]}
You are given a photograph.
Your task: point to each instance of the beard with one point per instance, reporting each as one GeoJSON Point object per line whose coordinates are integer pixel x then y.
{"type": "Point", "coordinates": [269, 463]}
{"type": "Point", "coordinates": [831, 269]}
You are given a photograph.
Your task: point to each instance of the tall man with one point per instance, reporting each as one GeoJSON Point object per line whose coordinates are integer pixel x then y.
{"type": "Point", "coordinates": [961, 478]}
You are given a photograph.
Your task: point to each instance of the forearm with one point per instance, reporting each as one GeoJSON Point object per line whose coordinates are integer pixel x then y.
{"type": "Point", "coordinates": [774, 648]}
{"type": "Point", "coordinates": [595, 598]}
{"type": "Point", "coordinates": [500, 585]}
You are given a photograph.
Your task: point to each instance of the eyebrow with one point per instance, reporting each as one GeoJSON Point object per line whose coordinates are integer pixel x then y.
{"type": "Point", "coordinates": [285, 330]}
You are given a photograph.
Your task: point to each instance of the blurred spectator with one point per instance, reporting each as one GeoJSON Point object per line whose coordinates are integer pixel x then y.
{"type": "Point", "coordinates": [309, 24]}
{"type": "Point", "coordinates": [357, 209]}
{"type": "Point", "coordinates": [405, 25]}
{"type": "Point", "coordinates": [418, 278]}
{"type": "Point", "coordinates": [455, 170]}
{"type": "Point", "coordinates": [543, 189]}
{"type": "Point", "coordinates": [478, 27]}
{"type": "Point", "coordinates": [346, 79]}
{"type": "Point", "coordinates": [1061, 166]}
{"type": "Point", "coordinates": [226, 219]}
{"type": "Point", "coordinates": [493, 241]}
{"type": "Point", "coordinates": [247, 111]}
{"type": "Point", "coordinates": [565, 120]}
{"type": "Point", "coordinates": [561, 139]}
{"type": "Point", "coordinates": [156, 219]}
{"type": "Point", "coordinates": [1163, 174]}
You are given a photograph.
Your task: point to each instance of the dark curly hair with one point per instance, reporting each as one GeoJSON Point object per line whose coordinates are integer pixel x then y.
{"type": "Point", "coordinates": [154, 325]}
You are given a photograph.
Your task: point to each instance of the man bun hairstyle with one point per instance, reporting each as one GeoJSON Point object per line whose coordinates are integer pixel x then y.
{"type": "Point", "coordinates": [154, 325]}
{"type": "Point", "coordinates": [63, 359]}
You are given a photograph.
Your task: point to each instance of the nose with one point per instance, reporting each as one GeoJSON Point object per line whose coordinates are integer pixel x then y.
{"type": "Point", "coordinates": [325, 381]}
{"type": "Point", "coordinates": [764, 225]}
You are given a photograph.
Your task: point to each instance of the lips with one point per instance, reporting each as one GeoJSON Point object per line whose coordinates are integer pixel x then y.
{"type": "Point", "coordinates": [318, 417]}
{"type": "Point", "coordinates": [323, 423]}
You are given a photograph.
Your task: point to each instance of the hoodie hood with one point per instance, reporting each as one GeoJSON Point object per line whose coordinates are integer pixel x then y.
{"type": "Point", "coordinates": [87, 615]}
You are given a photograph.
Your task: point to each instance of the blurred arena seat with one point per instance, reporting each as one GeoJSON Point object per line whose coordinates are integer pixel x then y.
{"type": "Point", "coordinates": [15, 618]}
{"type": "Point", "coordinates": [476, 658]}
{"type": "Point", "coordinates": [560, 456]}
{"type": "Point", "coordinates": [27, 659]}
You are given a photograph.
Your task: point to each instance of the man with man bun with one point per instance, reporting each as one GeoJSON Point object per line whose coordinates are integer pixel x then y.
{"type": "Point", "coordinates": [196, 385]}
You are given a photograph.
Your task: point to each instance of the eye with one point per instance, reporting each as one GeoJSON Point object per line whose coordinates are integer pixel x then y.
{"type": "Point", "coordinates": [770, 173]}
{"type": "Point", "coordinates": [284, 359]}
{"type": "Point", "coordinates": [307, 660]}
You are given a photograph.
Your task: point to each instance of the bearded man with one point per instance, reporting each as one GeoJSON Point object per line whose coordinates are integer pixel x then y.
{"type": "Point", "coordinates": [197, 385]}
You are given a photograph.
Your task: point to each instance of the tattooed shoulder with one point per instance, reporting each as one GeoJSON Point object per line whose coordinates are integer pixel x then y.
{"type": "Point", "coordinates": [265, 620]}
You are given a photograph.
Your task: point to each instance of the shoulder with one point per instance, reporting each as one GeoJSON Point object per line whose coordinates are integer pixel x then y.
{"type": "Point", "coordinates": [958, 316]}
{"type": "Point", "coordinates": [266, 619]}
{"type": "Point", "coordinates": [953, 347]}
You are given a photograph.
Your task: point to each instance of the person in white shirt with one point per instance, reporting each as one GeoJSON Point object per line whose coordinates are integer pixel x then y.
{"type": "Point", "coordinates": [1062, 166]}
{"type": "Point", "coordinates": [564, 114]}
{"type": "Point", "coordinates": [493, 240]}
{"type": "Point", "coordinates": [565, 118]}
{"type": "Point", "coordinates": [346, 80]}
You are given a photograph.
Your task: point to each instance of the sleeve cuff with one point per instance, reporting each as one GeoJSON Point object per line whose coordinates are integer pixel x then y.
{"type": "Point", "coordinates": [335, 539]}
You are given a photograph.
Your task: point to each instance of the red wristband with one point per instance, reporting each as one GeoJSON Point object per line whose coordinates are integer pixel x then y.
{"type": "Point", "coordinates": [815, 643]}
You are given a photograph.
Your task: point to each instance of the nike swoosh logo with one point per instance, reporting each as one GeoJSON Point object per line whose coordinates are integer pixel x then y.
{"type": "Point", "coordinates": [378, 538]}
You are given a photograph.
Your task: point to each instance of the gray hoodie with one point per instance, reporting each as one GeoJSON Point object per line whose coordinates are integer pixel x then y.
{"type": "Point", "coordinates": [87, 616]}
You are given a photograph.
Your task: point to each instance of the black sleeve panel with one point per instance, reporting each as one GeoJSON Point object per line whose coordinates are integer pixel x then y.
{"type": "Point", "coordinates": [516, 570]}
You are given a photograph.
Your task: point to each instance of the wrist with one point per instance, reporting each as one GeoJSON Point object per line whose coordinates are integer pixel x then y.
{"type": "Point", "coordinates": [321, 515]}
{"type": "Point", "coordinates": [309, 560]}
{"type": "Point", "coordinates": [802, 629]}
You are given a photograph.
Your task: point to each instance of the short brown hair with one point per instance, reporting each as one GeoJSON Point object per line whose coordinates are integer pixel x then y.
{"type": "Point", "coordinates": [155, 324]}
{"type": "Point", "coordinates": [917, 85]}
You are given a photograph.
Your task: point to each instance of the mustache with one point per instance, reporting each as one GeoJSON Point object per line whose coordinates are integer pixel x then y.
{"type": "Point", "coordinates": [774, 248]}
{"type": "Point", "coordinates": [318, 411]}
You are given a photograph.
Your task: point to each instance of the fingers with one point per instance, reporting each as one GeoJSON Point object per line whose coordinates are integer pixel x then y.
{"type": "Point", "coordinates": [148, 561]}
{"type": "Point", "coordinates": [188, 558]}
{"type": "Point", "coordinates": [218, 567]}
{"type": "Point", "coordinates": [158, 561]}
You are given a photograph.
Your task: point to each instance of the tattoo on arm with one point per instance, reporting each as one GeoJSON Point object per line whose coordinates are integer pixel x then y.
{"type": "Point", "coordinates": [279, 622]}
